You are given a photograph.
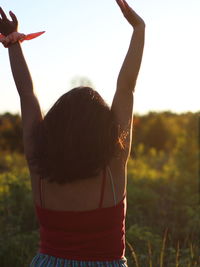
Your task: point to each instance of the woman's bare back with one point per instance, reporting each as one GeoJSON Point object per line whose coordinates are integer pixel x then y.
{"type": "Point", "coordinates": [83, 194]}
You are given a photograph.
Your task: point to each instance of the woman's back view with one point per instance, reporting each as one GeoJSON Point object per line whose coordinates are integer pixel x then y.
{"type": "Point", "coordinates": [77, 156]}
{"type": "Point", "coordinates": [100, 234]}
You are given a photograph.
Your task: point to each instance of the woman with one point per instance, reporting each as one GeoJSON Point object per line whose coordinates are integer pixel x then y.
{"type": "Point", "coordinates": [77, 156]}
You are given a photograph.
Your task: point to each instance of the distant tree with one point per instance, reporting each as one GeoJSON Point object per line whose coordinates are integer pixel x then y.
{"type": "Point", "coordinates": [81, 81]}
{"type": "Point", "coordinates": [158, 133]}
{"type": "Point", "coordinates": [11, 132]}
{"type": "Point", "coordinates": [152, 130]}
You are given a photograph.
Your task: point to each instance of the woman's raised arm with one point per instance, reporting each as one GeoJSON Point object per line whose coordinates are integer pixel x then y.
{"type": "Point", "coordinates": [123, 100]}
{"type": "Point", "coordinates": [30, 108]}
{"type": "Point", "coordinates": [131, 65]}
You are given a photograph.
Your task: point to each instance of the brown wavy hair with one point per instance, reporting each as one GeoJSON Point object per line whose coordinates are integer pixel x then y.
{"type": "Point", "coordinates": [77, 138]}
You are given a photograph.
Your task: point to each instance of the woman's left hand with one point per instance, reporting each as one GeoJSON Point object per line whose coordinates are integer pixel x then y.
{"type": "Point", "coordinates": [7, 26]}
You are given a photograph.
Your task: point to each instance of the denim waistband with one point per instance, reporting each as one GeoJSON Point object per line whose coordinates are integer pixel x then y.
{"type": "Point", "coordinates": [43, 260]}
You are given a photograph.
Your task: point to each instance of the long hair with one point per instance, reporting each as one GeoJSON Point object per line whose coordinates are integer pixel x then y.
{"type": "Point", "coordinates": [77, 138]}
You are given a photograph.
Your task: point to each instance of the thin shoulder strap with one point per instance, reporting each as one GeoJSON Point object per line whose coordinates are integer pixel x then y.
{"type": "Point", "coordinates": [41, 190]}
{"type": "Point", "coordinates": [102, 188]}
{"type": "Point", "coordinates": [113, 187]}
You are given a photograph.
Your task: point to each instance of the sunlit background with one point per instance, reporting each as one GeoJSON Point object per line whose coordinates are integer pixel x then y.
{"type": "Point", "coordinates": [89, 38]}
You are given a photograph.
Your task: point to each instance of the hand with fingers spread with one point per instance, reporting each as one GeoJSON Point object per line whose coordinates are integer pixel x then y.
{"type": "Point", "coordinates": [132, 17]}
{"type": "Point", "coordinates": [7, 26]}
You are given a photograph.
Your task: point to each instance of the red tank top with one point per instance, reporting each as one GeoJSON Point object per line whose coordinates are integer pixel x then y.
{"type": "Point", "coordinates": [93, 235]}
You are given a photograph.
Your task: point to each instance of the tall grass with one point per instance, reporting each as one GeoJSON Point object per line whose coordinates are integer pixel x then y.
{"type": "Point", "coordinates": [162, 253]}
{"type": "Point", "coordinates": [164, 259]}
{"type": "Point", "coordinates": [150, 254]}
{"type": "Point", "coordinates": [177, 254]}
{"type": "Point", "coordinates": [135, 259]}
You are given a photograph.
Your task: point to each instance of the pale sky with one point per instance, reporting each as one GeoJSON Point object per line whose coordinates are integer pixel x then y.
{"type": "Point", "coordinates": [90, 38]}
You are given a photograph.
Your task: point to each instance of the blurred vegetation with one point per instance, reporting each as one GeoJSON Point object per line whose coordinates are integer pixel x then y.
{"type": "Point", "coordinates": [162, 227]}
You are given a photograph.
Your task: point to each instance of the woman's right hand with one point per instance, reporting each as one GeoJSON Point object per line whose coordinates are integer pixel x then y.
{"type": "Point", "coordinates": [132, 17]}
{"type": "Point", "coordinates": [7, 26]}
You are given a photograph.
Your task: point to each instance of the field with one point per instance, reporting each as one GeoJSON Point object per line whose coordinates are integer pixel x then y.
{"type": "Point", "coordinates": [163, 217]}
